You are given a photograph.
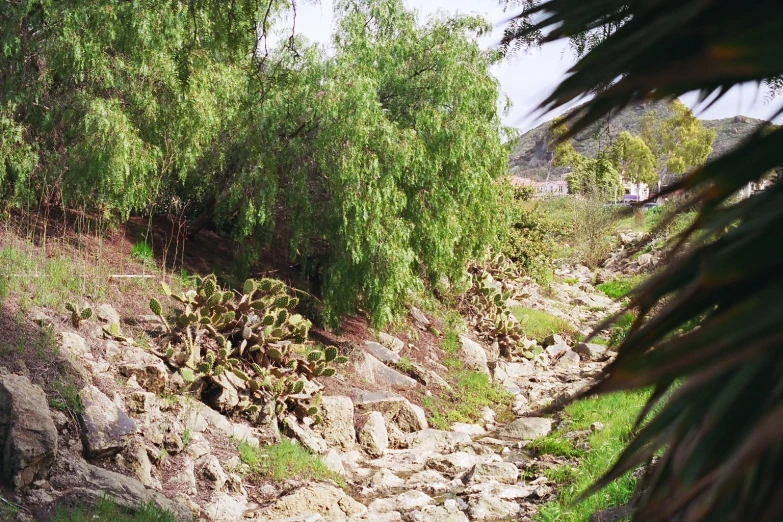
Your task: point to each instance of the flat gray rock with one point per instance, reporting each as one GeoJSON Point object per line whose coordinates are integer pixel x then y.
{"type": "Point", "coordinates": [28, 437]}
{"type": "Point", "coordinates": [105, 428]}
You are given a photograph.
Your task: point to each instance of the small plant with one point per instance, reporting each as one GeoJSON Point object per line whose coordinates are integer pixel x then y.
{"type": "Point", "coordinates": [142, 251]}
{"type": "Point", "coordinates": [64, 396]}
{"type": "Point", "coordinates": [112, 331]}
{"type": "Point", "coordinates": [106, 510]}
{"type": "Point", "coordinates": [618, 288]}
{"type": "Point", "coordinates": [286, 460]}
{"type": "Point", "coordinates": [186, 436]}
{"type": "Point", "coordinates": [78, 314]}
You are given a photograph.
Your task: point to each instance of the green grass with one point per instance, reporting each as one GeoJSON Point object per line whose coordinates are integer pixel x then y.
{"type": "Point", "coordinates": [538, 324]}
{"type": "Point", "coordinates": [618, 288]}
{"type": "Point", "coordinates": [286, 460]}
{"type": "Point", "coordinates": [142, 251]}
{"type": "Point", "coordinates": [64, 396]}
{"type": "Point", "coordinates": [618, 413]}
{"type": "Point", "coordinates": [108, 511]}
{"type": "Point", "coordinates": [472, 392]}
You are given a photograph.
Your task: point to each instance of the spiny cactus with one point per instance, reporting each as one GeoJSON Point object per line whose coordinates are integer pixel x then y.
{"type": "Point", "coordinates": [78, 314]}
{"type": "Point", "coordinates": [253, 336]}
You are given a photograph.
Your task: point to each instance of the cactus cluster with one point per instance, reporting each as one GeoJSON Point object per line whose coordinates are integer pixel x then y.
{"type": "Point", "coordinates": [488, 302]}
{"type": "Point", "coordinates": [254, 335]}
{"type": "Point", "coordinates": [78, 314]}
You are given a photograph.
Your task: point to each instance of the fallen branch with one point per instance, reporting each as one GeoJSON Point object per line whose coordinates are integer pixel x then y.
{"type": "Point", "coordinates": [131, 276]}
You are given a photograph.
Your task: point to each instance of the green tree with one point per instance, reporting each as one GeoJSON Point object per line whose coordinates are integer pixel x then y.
{"type": "Point", "coordinates": [679, 142]}
{"type": "Point", "coordinates": [715, 434]}
{"type": "Point", "coordinates": [373, 167]}
{"type": "Point", "coordinates": [634, 159]}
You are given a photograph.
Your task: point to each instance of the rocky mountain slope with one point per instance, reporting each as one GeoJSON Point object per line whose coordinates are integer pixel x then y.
{"type": "Point", "coordinates": [528, 157]}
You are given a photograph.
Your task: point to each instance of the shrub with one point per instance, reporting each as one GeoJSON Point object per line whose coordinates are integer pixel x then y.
{"type": "Point", "coordinates": [285, 460]}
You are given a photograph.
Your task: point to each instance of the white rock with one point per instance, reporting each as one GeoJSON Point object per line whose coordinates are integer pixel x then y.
{"type": "Point", "coordinates": [374, 437]}
{"type": "Point", "coordinates": [469, 429]}
{"type": "Point", "coordinates": [473, 355]}
{"type": "Point", "coordinates": [333, 463]}
{"type": "Point", "coordinates": [503, 472]}
{"type": "Point", "coordinates": [411, 500]}
{"type": "Point", "coordinates": [336, 426]}
{"type": "Point", "coordinates": [527, 428]}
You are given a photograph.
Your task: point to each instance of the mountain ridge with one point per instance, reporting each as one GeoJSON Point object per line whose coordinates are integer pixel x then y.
{"type": "Point", "coordinates": [529, 156]}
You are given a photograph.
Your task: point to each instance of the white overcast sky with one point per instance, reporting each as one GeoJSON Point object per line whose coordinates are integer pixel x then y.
{"type": "Point", "coordinates": [527, 78]}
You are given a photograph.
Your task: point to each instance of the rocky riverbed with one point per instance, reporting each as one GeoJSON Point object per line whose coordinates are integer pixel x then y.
{"type": "Point", "coordinates": [132, 441]}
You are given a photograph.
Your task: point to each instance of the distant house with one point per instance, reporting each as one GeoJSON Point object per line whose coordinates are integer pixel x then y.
{"type": "Point", "coordinates": [635, 191]}
{"type": "Point", "coordinates": [542, 188]}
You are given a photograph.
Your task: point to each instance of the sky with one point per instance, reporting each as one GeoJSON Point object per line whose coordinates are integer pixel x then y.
{"type": "Point", "coordinates": [528, 78]}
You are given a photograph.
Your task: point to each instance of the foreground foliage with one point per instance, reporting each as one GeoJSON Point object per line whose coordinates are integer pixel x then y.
{"type": "Point", "coordinates": [370, 166]}
{"type": "Point", "coordinates": [617, 412]}
{"type": "Point", "coordinates": [718, 431]}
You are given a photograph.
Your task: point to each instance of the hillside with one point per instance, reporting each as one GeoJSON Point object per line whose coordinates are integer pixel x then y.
{"type": "Point", "coordinates": [529, 158]}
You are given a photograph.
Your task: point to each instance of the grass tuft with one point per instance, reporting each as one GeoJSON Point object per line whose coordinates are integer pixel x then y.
{"type": "Point", "coordinates": [618, 413]}
{"type": "Point", "coordinates": [539, 324]}
{"type": "Point", "coordinates": [108, 511]}
{"type": "Point", "coordinates": [142, 251]}
{"type": "Point", "coordinates": [618, 288]}
{"type": "Point", "coordinates": [286, 460]}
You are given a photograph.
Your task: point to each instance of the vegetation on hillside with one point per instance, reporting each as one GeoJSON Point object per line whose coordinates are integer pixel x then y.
{"type": "Point", "coordinates": [530, 152]}
{"type": "Point", "coordinates": [370, 167]}
{"type": "Point", "coordinates": [717, 436]}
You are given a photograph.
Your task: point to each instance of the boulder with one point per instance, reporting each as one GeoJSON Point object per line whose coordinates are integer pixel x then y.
{"type": "Point", "coordinates": [568, 360]}
{"type": "Point", "coordinates": [373, 437]}
{"type": "Point", "coordinates": [556, 351]}
{"type": "Point", "coordinates": [495, 489]}
{"type": "Point", "coordinates": [527, 428]}
{"type": "Point", "coordinates": [429, 481]}
{"type": "Point", "coordinates": [213, 472]}
{"type": "Point", "coordinates": [74, 344]}
{"type": "Point", "coordinates": [591, 351]}
{"type": "Point", "coordinates": [28, 437]}
{"type": "Point", "coordinates": [471, 429]}
{"type": "Point", "coordinates": [225, 508]}
{"type": "Point", "coordinates": [473, 355]}
{"type": "Point", "coordinates": [419, 318]}
{"type": "Point", "coordinates": [376, 372]}
{"type": "Point", "coordinates": [411, 417]}
{"type": "Point", "coordinates": [336, 426]}
{"type": "Point", "coordinates": [106, 429]}
{"type": "Point", "coordinates": [309, 439]}
{"type": "Point", "coordinates": [150, 372]}
{"type": "Point", "coordinates": [333, 462]}
{"type": "Point", "coordinates": [552, 339]}
{"type": "Point", "coordinates": [381, 352]}
{"type": "Point", "coordinates": [389, 404]}
{"type": "Point", "coordinates": [184, 479]}
{"type": "Point", "coordinates": [453, 464]}
{"type": "Point", "coordinates": [384, 480]}
{"type": "Point", "coordinates": [490, 508]}
{"type": "Point", "coordinates": [139, 462]}
{"type": "Point", "coordinates": [107, 314]}
{"type": "Point", "coordinates": [439, 513]}
{"type": "Point", "coordinates": [411, 500]}
{"type": "Point", "coordinates": [331, 503]}
{"type": "Point", "coordinates": [88, 484]}
{"type": "Point", "coordinates": [392, 343]}
{"type": "Point", "coordinates": [503, 472]}
{"type": "Point", "coordinates": [437, 440]}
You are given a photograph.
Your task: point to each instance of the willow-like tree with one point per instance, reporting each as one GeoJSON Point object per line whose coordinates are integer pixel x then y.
{"type": "Point", "coordinates": [679, 142]}
{"type": "Point", "coordinates": [373, 167]}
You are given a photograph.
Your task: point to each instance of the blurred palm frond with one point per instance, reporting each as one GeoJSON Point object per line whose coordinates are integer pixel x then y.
{"type": "Point", "coordinates": [719, 430]}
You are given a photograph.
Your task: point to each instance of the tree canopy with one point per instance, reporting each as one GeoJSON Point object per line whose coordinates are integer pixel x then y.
{"type": "Point", "coordinates": [372, 166]}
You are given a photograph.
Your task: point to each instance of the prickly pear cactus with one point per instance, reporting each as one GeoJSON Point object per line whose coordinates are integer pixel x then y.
{"type": "Point", "coordinates": [253, 337]}
{"type": "Point", "coordinates": [487, 303]}
{"type": "Point", "coordinates": [78, 314]}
